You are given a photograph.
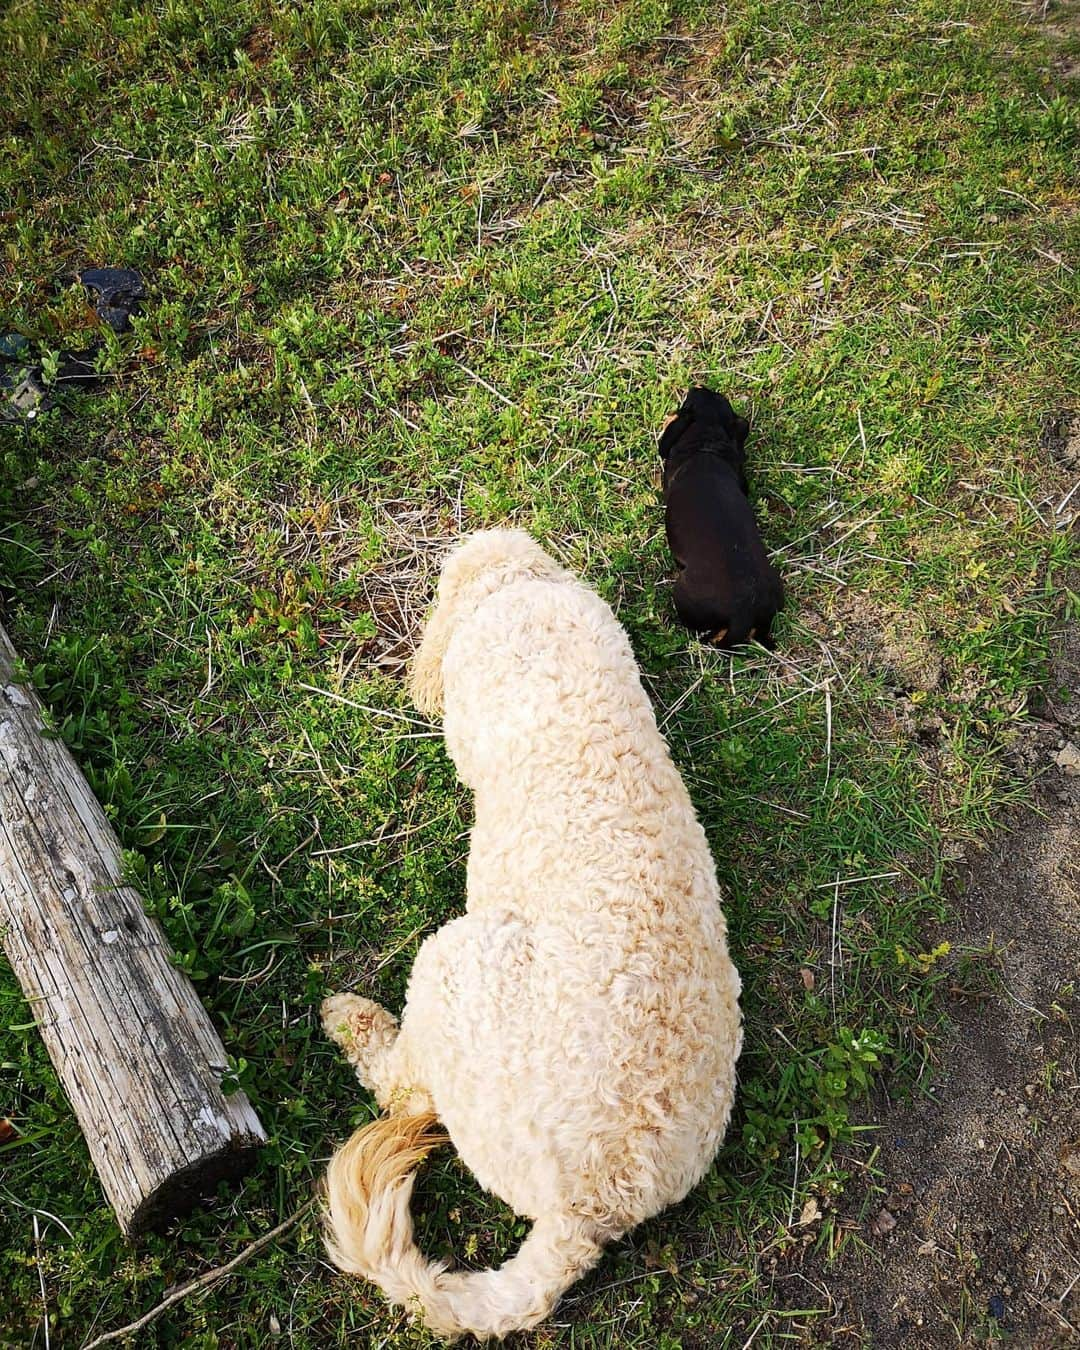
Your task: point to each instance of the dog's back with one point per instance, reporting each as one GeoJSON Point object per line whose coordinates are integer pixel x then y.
{"type": "Point", "coordinates": [583, 825]}
{"type": "Point", "coordinates": [576, 792]}
{"type": "Point", "coordinates": [727, 589]}
{"type": "Point", "coordinates": [576, 1030]}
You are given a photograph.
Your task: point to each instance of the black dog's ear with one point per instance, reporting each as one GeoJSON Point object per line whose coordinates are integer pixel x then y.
{"type": "Point", "coordinates": [673, 429]}
{"type": "Point", "coordinates": [742, 430]}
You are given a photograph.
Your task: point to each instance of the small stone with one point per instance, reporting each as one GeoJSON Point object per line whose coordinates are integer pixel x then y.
{"type": "Point", "coordinates": [883, 1223]}
{"type": "Point", "coordinates": [1021, 1110]}
{"type": "Point", "coordinates": [1068, 760]}
{"type": "Point", "coordinates": [996, 1306]}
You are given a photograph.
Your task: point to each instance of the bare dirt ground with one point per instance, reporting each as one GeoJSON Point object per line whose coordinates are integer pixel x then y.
{"type": "Point", "coordinates": [970, 1228]}
{"type": "Point", "coordinates": [967, 1222]}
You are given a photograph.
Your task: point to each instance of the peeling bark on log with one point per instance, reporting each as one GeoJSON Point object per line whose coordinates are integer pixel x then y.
{"type": "Point", "coordinates": [134, 1047]}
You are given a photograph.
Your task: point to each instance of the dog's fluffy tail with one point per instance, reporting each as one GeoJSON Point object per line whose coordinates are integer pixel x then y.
{"type": "Point", "coordinates": [370, 1233]}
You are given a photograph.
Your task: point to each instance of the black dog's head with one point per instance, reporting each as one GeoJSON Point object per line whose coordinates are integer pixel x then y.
{"type": "Point", "coordinates": [706, 421]}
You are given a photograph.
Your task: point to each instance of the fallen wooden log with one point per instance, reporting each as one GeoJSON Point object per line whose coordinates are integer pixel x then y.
{"type": "Point", "coordinates": [134, 1047]}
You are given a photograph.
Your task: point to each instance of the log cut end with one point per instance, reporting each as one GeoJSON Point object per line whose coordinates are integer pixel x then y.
{"type": "Point", "coordinates": [178, 1194]}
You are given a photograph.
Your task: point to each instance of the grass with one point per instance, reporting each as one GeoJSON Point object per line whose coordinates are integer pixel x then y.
{"type": "Point", "coordinates": [424, 268]}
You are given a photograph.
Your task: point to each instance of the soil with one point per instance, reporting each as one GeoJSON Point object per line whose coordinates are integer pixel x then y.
{"type": "Point", "coordinates": [966, 1225]}
{"type": "Point", "coordinates": [969, 1225]}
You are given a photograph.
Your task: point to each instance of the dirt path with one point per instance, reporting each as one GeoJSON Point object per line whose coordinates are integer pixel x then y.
{"type": "Point", "coordinates": [974, 1235]}
{"type": "Point", "coordinates": [968, 1226]}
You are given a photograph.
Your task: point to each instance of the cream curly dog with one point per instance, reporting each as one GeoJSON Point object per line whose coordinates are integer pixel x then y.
{"type": "Point", "coordinates": [576, 1031]}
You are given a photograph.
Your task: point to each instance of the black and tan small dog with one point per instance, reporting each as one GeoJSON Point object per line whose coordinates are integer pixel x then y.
{"type": "Point", "coordinates": [726, 589]}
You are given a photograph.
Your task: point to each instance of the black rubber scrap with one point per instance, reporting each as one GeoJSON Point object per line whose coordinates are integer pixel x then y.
{"type": "Point", "coordinates": [78, 367]}
{"type": "Point", "coordinates": [14, 347]}
{"type": "Point", "coordinates": [23, 391]}
{"type": "Point", "coordinates": [118, 292]}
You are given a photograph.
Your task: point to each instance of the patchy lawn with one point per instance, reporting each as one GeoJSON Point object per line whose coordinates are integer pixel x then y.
{"type": "Point", "coordinates": [415, 269]}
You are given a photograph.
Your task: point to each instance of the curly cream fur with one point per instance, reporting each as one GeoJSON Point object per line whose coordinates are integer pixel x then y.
{"type": "Point", "coordinates": [576, 1031]}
